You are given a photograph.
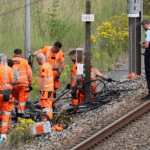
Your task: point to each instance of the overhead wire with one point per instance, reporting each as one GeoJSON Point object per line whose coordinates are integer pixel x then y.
{"type": "Point", "coordinates": [20, 7]}
{"type": "Point", "coordinates": [8, 2]}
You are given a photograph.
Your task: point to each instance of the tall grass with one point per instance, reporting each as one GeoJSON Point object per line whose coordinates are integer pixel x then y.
{"type": "Point", "coordinates": [53, 20]}
{"type": "Point", "coordinates": [68, 12]}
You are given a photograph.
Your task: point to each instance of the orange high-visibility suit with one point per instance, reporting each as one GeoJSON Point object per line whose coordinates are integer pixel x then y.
{"type": "Point", "coordinates": [6, 102]}
{"type": "Point", "coordinates": [53, 59]}
{"type": "Point", "coordinates": [25, 78]}
{"type": "Point", "coordinates": [46, 96]}
{"type": "Point", "coordinates": [79, 97]}
{"type": "Point", "coordinates": [73, 83]}
{"type": "Point", "coordinates": [93, 77]}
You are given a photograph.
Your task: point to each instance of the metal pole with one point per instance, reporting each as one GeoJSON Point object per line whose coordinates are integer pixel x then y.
{"type": "Point", "coordinates": [138, 47]}
{"type": "Point", "coordinates": [27, 29]}
{"type": "Point", "coordinates": [88, 52]}
{"type": "Point", "coordinates": [27, 33]}
{"type": "Point", "coordinates": [135, 37]}
{"type": "Point", "coordinates": [141, 29]}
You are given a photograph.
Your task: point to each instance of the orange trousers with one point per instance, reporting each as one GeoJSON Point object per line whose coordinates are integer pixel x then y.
{"type": "Point", "coordinates": [56, 82]}
{"type": "Point", "coordinates": [21, 97]}
{"type": "Point", "coordinates": [5, 113]}
{"type": "Point", "coordinates": [79, 98]}
{"type": "Point", "coordinates": [47, 102]}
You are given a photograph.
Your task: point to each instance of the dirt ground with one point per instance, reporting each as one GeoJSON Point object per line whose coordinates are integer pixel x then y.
{"type": "Point", "coordinates": [122, 60]}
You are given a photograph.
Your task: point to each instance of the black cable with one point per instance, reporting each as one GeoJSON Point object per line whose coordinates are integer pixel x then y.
{"type": "Point", "coordinates": [61, 95]}
{"type": "Point", "coordinates": [98, 84]}
{"type": "Point", "coordinates": [101, 98]}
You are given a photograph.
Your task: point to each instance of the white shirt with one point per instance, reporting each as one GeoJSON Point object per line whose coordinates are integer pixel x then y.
{"type": "Point", "coordinates": [147, 38]}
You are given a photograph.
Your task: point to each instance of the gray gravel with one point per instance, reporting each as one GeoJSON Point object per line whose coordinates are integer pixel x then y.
{"type": "Point", "coordinates": [91, 121]}
{"type": "Point", "coordinates": [135, 136]}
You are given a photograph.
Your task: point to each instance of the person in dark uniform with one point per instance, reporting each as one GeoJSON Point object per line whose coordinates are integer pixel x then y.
{"type": "Point", "coordinates": [146, 45]}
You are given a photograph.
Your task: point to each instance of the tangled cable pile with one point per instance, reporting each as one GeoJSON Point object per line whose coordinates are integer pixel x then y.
{"type": "Point", "coordinates": [107, 93]}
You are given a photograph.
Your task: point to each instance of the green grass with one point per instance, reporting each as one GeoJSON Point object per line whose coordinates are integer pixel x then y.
{"type": "Point", "coordinates": [68, 11]}
{"type": "Point", "coordinates": [56, 20]}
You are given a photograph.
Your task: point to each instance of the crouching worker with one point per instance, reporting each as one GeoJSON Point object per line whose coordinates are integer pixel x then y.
{"type": "Point", "coordinates": [6, 81]}
{"type": "Point", "coordinates": [46, 85]}
{"type": "Point", "coordinates": [78, 92]}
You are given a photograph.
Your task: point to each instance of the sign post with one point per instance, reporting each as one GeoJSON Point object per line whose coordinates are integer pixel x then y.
{"type": "Point", "coordinates": [88, 17]}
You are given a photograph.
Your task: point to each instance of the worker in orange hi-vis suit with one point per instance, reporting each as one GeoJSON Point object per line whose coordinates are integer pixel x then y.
{"type": "Point", "coordinates": [24, 82]}
{"type": "Point", "coordinates": [46, 85]}
{"type": "Point", "coordinates": [55, 57]}
{"type": "Point", "coordinates": [10, 64]}
{"type": "Point", "coordinates": [6, 81]}
{"type": "Point", "coordinates": [78, 92]}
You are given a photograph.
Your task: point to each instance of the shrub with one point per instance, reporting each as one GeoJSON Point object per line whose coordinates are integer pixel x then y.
{"type": "Point", "coordinates": [20, 133]}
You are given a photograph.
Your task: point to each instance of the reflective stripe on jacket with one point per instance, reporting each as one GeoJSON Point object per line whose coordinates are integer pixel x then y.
{"type": "Point", "coordinates": [46, 71]}
{"type": "Point", "coordinates": [74, 75]}
{"type": "Point", "coordinates": [24, 70]}
{"type": "Point", "coordinates": [6, 74]}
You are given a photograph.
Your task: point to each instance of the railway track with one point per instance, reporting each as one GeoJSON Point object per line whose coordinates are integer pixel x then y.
{"type": "Point", "coordinates": [110, 129]}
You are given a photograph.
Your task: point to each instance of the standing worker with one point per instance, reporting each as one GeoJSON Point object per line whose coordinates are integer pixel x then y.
{"type": "Point", "coordinates": [23, 86]}
{"type": "Point", "coordinates": [78, 93]}
{"type": "Point", "coordinates": [55, 57]}
{"type": "Point", "coordinates": [46, 85]}
{"type": "Point", "coordinates": [6, 81]}
{"type": "Point", "coordinates": [146, 46]}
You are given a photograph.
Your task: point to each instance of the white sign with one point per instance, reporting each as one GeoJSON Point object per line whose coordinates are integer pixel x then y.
{"type": "Point", "coordinates": [80, 69]}
{"type": "Point", "coordinates": [87, 17]}
{"type": "Point", "coordinates": [133, 15]}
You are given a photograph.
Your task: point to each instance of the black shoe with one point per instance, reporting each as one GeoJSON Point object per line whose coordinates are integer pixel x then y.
{"type": "Point", "coordinates": [146, 98]}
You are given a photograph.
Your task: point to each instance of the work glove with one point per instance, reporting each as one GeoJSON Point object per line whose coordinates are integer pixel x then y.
{"type": "Point", "coordinates": [32, 55]}
{"type": "Point", "coordinates": [58, 76]}
{"type": "Point", "coordinates": [109, 79]}
{"type": "Point", "coordinates": [53, 105]}
{"type": "Point", "coordinates": [30, 88]}
{"type": "Point", "coordinates": [73, 91]}
{"type": "Point", "coordinates": [68, 86]}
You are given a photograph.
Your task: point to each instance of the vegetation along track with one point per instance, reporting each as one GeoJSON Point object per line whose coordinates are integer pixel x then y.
{"type": "Point", "coordinates": [108, 130]}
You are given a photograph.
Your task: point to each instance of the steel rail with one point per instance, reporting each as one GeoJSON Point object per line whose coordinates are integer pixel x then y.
{"type": "Point", "coordinates": [102, 134]}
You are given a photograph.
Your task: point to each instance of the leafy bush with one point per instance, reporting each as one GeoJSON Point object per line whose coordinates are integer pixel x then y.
{"type": "Point", "coordinates": [113, 34]}
{"type": "Point", "coordinates": [20, 133]}
{"type": "Point", "coordinates": [62, 118]}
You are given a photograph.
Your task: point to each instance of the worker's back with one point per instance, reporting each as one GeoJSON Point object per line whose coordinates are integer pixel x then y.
{"type": "Point", "coordinates": [24, 70]}
{"type": "Point", "coordinates": [5, 77]}
{"type": "Point", "coordinates": [46, 71]}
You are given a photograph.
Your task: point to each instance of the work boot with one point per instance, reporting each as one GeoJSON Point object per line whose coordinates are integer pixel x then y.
{"type": "Point", "coordinates": [146, 98]}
